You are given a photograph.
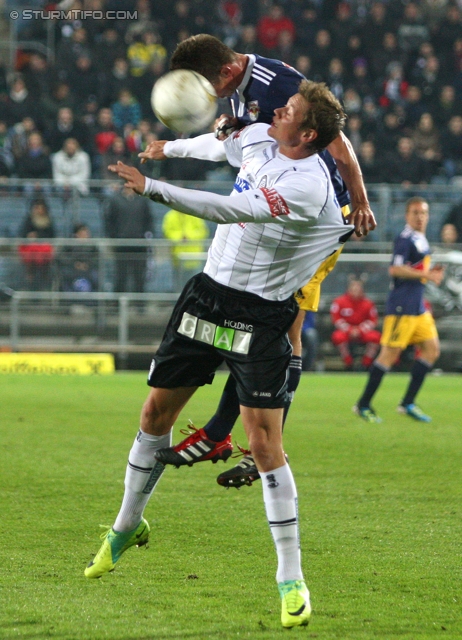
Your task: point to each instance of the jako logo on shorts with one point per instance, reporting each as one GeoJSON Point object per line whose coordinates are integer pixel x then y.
{"type": "Point", "coordinates": [220, 337]}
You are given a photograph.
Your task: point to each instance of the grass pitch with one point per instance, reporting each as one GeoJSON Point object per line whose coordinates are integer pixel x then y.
{"type": "Point", "coordinates": [380, 514]}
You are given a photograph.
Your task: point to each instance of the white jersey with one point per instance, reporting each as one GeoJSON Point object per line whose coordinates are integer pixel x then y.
{"type": "Point", "coordinates": [285, 219]}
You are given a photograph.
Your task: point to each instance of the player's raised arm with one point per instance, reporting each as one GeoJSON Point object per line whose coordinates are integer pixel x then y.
{"type": "Point", "coordinates": [361, 216]}
{"type": "Point", "coordinates": [205, 147]}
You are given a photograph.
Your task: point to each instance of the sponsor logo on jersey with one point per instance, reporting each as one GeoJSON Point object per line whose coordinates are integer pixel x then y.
{"type": "Point", "coordinates": [241, 185]}
{"type": "Point", "coordinates": [277, 204]}
{"type": "Point", "coordinates": [226, 338]}
{"type": "Point", "coordinates": [254, 110]}
{"type": "Point", "coordinates": [263, 182]}
{"type": "Point", "coordinates": [243, 326]}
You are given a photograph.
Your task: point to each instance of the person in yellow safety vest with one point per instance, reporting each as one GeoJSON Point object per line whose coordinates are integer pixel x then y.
{"type": "Point", "coordinates": [186, 234]}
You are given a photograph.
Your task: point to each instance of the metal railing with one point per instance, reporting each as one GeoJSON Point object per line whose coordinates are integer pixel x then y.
{"type": "Point", "coordinates": [70, 205]}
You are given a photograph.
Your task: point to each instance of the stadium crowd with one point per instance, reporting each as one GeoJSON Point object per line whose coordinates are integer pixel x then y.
{"type": "Point", "coordinates": [396, 67]}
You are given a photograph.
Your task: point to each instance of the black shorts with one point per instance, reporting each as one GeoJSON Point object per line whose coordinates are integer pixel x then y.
{"type": "Point", "coordinates": [212, 324]}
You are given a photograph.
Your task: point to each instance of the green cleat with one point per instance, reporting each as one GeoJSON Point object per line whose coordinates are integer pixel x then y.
{"type": "Point", "coordinates": [114, 545]}
{"type": "Point", "coordinates": [414, 411]}
{"type": "Point", "coordinates": [296, 608]}
{"type": "Point", "coordinates": [367, 413]}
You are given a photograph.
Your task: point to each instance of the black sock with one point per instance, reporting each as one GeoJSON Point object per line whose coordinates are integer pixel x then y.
{"type": "Point", "coordinates": [419, 370]}
{"type": "Point", "coordinates": [222, 423]}
{"type": "Point", "coordinates": [376, 373]}
{"type": "Point", "coordinates": [295, 372]}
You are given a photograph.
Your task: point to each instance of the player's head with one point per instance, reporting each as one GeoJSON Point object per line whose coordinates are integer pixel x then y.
{"type": "Point", "coordinates": [417, 214]}
{"type": "Point", "coordinates": [356, 289]}
{"type": "Point", "coordinates": [211, 58]}
{"type": "Point", "coordinates": [312, 118]}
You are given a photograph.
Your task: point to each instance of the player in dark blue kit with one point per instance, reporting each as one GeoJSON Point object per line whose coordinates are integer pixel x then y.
{"type": "Point", "coordinates": [406, 319]}
{"type": "Point", "coordinates": [255, 87]}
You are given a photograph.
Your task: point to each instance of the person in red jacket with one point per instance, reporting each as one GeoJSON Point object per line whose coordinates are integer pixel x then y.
{"type": "Point", "coordinates": [355, 317]}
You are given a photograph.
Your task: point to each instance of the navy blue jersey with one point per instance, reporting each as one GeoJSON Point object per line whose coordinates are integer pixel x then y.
{"type": "Point", "coordinates": [406, 296]}
{"type": "Point", "coordinates": [267, 85]}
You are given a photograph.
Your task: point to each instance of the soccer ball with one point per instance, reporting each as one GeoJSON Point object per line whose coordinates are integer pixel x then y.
{"type": "Point", "coordinates": [184, 101]}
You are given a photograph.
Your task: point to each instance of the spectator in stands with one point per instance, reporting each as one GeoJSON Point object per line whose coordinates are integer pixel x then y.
{"type": "Point", "coordinates": [389, 133]}
{"type": "Point", "coordinates": [321, 52]}
{"type": "Point", "coordinates": [336, 78]}
{"type": "Point", "coordinates": [342, 26]}
{"type": "Point", "coordinates": [38, 76]}
{"type": "Point", "coordinates": [38, 223]}
{"type": "Point", "coordinates": [72, 166]}
{"type": "Point", "coordinates": [156, 69]}
{"type": "Point", "coordinates": [353, 131]}
{"type": "Point", "coordinates": [126, 110]}
{"type": "Point", "coordinates": [371, 117]}
{"type": "Point", "coordinates": [70, 48]}
{"type": "Point", "coordinates": [181, 19]}
{"type": "Point", "coordinates": [78, 264]}
{"type": "Point", "coordinates": [394, 87]}
{"type": "Point", "coordinates": [388, 51]}
{"type": "Point", "coordinates": [412, 30]}
{"type": "Point", "coordinates": [449, 234]}
{"type": "Point", "coordinates": [451, 144]}
{"type": "Point", "coordinates": [119, 78]}
{"type": "Point", "coordinates": [20, 103]}
{"type": "Point", "coordinates": [37, 257]}
{"type": "Point", "coordinates": [353, 50]}
{"type": "Point", "coordinates": [405, 167]}
{"type": "Point", "coordinates": [187, 235]}
{"type": "Point", "coordinates": [360, 80]}
{"type": "Point", "coordinates": [67, 126]}
{"type": "Point", "coordinates": [248, 42]}
{"type": "Point", "coordinates": [104, 132]}
{"type": "Point", "coordinates": [307, 24]}
{"type": "Point", "coordinates": [6, 155]}
{"type": "Point", "coordinates": [449, 29]}
{"type": "Point", "coordinates": [18, 137]}
{"type": "Point", "coordinates": [108, 49]}
{"type": "Point", "coordinates": [352, 101]}
{"type": "Point", "coordinates": [35, 163]}
{"type": "Point", "coordinates": [372, 168]}
{"type": "Point", "coordinates": [116, 152]}
{"type": "Point", "coordinates": [426, 139]}
{"type": "Point", "coordinates": [430, 79]}
{"type": "Point", "coordinates": [137, 139]}
{"type": "Point", "coordinates": [303, 64]}
{"type": "Point", "coordinates": [129, 217]}
{"type": "Point", "coordinates": [50, 103]}
{"type": "Point", "coordinates": [146, 49]}
{"type": "Point", "coordinates": [85, 81]}
{"type": "Point", "coordinates": [376, 25]}
{"type": "Point", "coordinates": [355, 317]}
{"type": "Point", "coordinates": [286, 49]}
{"type": "Point", "coordinates": [414, 106]}
{"type": "Point", "coordinates": [446, 106]}
{"type": "Point", "coordinates": [270, 26]}
{"type": "Point", "coordinates": [229, 14]}
{"type": "Point", "coordinates": [454, 218]}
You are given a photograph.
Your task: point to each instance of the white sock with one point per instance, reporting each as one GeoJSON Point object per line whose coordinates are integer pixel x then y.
{"type": "Point", "coordinates": [142, 474]}
{"type": "Point", "coordinates": [280, 498]}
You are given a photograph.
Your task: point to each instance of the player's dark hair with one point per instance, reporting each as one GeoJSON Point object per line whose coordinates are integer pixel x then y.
{"type": "Point", "coordinates": [415, 200]}
{"type": "Point", "coordinates": [326, 115]}
{"type": "Point", "coordinates": [204, 54]}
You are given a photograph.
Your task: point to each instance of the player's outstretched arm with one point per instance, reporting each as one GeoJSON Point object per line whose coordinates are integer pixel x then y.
{"type": "Point", "coordinates": [133, 178]}
{"type": "Point", "coordinates": [347, 163]}
{"type": "Point", "coordinates": [154, 151]}
{"type": "Point", "coordinates": [205, 147]}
